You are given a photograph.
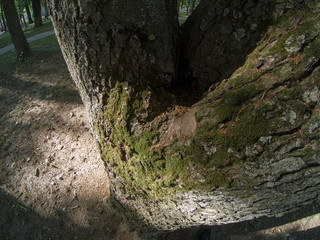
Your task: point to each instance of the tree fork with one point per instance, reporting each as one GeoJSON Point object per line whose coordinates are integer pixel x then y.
{"type": "Point", "coordinates": [242, 150]}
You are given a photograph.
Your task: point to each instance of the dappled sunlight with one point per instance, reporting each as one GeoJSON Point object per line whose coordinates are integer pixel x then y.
{"type": "Point", "coordinates": [52, 168]}
{"type": "Point", "coordinates": [52, 179]}
{"type": "Point", "coordinates": [177, 168]}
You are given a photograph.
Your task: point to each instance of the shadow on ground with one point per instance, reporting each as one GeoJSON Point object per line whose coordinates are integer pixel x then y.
{"type": "Point", "coordinates": [20, 222]}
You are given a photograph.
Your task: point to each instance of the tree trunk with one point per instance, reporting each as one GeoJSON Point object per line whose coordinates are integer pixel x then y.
{"type": "Point", "coordinates": [3, 18]}
{"type": "Point", "coordinates": [1, 25]}
{"type": "Point", "coordinates": [188, 7]}
{"type": "Point", "coordinates": [23, 21]}
{"type": "Point", "coordinates": [193, 5]}
{"type": "Point", "coordinates": [247, 148]}
{"type": "Point", "coordinates": [36, 6]}
{"type": "Point", "coordinates": [19, 41]}
{"type": "Point", "coordinates": [29, 14]}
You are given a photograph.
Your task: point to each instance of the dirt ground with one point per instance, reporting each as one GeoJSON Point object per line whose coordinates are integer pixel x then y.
{"type": "Point", "coordinates": [53, 184]}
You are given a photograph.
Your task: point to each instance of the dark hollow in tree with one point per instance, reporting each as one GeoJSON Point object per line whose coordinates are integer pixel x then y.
{"type": "Point", "coordinates": [213, 123]}
{"type": "Point", "coordinates": [19, 40]}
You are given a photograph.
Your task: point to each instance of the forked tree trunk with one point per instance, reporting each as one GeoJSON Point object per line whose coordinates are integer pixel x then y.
{"type": "Point", "coordinates": [36, 6]}
{"type": "Point", "coordinates": [19, 41]}
{"type": "Point", "coordinates": [247, 148]}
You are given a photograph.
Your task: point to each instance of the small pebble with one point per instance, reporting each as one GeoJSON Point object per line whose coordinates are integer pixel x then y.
{"type": "Point", "coordinates": [59, 178]}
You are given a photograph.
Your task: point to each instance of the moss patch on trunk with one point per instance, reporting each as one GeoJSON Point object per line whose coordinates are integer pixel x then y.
{"type": "Point", "coordinates": [262, 99]}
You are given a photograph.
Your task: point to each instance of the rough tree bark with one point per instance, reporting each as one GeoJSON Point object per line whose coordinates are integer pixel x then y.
{"type": "Point", "coordinates": [36, 6]}
{"type": "Point", "coordinates": [19, 41]}
{"type": "Point", "coordinates": [249, 147]}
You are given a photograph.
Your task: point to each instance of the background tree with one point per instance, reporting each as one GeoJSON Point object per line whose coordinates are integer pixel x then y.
{"type": "Point", "coordinates": [27, 4]}
{"type": "Point", "coordinates": [36, 6]}
{"type": "Point", "coordinates": [19, 41]}
{"type": "Point", "coordinates": [20, 7]}
{"type": "Point", "coordinates": [216, 125]}
{"type": "Point", "coordinates": [3, 20]}
{"type": "Point", "coordinates": [44, 4]}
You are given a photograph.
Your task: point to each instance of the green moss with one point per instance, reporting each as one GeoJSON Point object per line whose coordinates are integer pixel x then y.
{"type": "Point", "coordinates": [218, 179]}
{"type": "Point", "coordinates": [235, 118]}
{"type": "Point", "coordinates": [290, 93]}
{"type": "Point", "coordinates": [251, 125]}
{"type": "Point", "coordinates": [232, 101]}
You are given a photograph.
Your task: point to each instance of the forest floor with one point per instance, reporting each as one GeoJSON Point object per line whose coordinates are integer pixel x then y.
{"type": "Point", "coordinates": [53, 185]}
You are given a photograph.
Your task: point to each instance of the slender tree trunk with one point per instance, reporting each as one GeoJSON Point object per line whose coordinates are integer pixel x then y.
{"type": "Point", "coordinates": [1, 25]}
{"type": "Point", "coordinates": [193, 5]}
{"type": "Point", "coordinates": [45, 5]}
{"type": "Point", "coordinates": [188, 7]}
{"type": "Point", "coordinates": [3, 19]}
{"type": "Point", "coordinates": [178, 5]}
{"type": "Point", "coordinates": [23, 21]}
{"type": "Point", "coordinates": [36, 6]}
{"type": "Point", "coordinates": [19, 41]}
{"type": "Point", "coordinates": [29, 14]}
{"type": "Point", "coordinates": [249, 147]}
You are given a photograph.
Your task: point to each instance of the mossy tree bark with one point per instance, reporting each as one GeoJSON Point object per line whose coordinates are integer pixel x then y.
{"type": "Point", "coordinates": [248, 147]}
{"type": "Point", "coordinates": [19, 40]}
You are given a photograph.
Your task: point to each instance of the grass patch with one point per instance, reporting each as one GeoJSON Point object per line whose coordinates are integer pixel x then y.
{"type": "Point", "coordinates": [181, 21]}
{"type": "Point", "coordinates": [183, 14]}
{"type": "Point", "coordinates": [46, 61]}
{"type": "Point", "coordinates": [8, 60]}
{"type": "Point", "coordinates": [5, 38]}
